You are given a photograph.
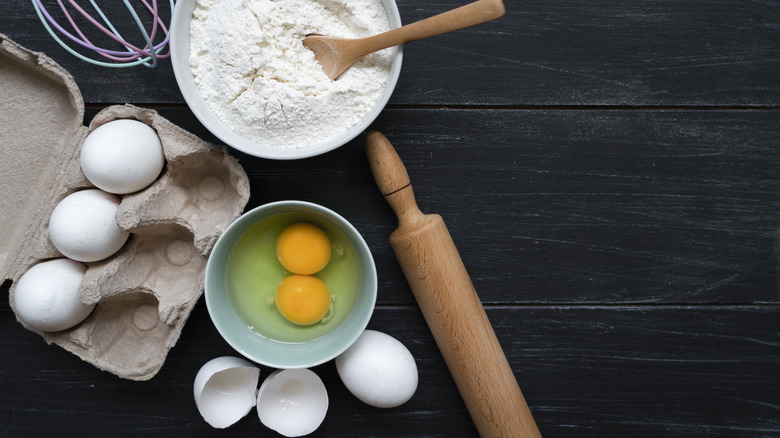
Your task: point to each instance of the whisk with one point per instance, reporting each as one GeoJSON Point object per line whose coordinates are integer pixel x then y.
{"type": "Point", "coordinates": [132, 54]}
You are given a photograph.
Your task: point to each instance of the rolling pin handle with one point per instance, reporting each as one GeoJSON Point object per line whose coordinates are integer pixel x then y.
{"type": "Point", "coordinates": [392, 179]}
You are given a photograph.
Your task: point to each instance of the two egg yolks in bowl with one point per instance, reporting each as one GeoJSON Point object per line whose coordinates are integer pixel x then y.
{"type": "Point", "coordinates": [303, 249]}
{"type": "Point", "coordinates": [291, 280]}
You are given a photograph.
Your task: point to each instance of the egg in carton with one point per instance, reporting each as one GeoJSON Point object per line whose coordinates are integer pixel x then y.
{"type": "Point", "coordinates": [143, 293]}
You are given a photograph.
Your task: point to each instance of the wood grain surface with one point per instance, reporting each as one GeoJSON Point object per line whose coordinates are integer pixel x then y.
{"type": "Point", "coordinates": [608, 170]}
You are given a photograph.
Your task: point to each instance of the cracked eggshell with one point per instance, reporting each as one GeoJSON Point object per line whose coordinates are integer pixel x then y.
{"type": "Point", "coordinates": [225, 390]}
{"type": "Point", "coordinates": [122, 156]}
{"type": "Point", "coordinates": [379, 370]}
{"type": "Point", "coordinates": [47, 296]}
{"type": "Point", "coordinates": [83, 226]}
{"type": "Point", "coordinates": [292, 402]}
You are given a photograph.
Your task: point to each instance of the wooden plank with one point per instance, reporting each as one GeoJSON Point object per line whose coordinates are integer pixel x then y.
{"type": "Point", "coordinates": [645, 371]}
{"type": "Point", "coordinates": [650, 53]}
{"type": "Point", "coordinates": [567, 206]}
{"type": "Point", "coordinates": [657, 52]}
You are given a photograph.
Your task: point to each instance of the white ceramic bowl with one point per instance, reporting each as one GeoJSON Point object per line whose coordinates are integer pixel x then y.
{"type": "Point", "coordinates": [180, 52]}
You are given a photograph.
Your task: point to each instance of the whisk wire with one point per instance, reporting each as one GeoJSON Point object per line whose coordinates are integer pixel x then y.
{"type": "Point", "coordinates": [133, 55]}
{"type": "Point", "coordinates": [148, 39]}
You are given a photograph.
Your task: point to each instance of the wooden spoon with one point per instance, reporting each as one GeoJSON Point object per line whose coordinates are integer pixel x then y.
{"type": "Point", "coordinates": [336, 55]}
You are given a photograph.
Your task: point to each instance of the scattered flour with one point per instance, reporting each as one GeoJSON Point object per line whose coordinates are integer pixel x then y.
{"type": "Point", "coordinates": [251, 67]}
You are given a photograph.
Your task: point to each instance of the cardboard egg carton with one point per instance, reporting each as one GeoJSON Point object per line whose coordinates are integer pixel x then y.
{"type": "Point", "coordinates": [144, 292]}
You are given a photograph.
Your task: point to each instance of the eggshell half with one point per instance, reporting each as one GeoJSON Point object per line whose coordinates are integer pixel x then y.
{"type": "Point", "coordinates": [83, 226]}
{"type": "Point", "coordinates": [379, 370]}
{"type": "Point", "coordinates": [122, 156]}
{"type": "Point", "coordinates": [225, 390]}
{"type": "Point", "coordinates": [46, 297]}
{"type": "Point", "coordinates": [292, 402]}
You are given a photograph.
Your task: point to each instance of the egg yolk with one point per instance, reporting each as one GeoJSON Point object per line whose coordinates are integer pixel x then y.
{"type": "Point", "coordinates": [303, 299]}
{"type": "Point", "coordinates": [303, 248]}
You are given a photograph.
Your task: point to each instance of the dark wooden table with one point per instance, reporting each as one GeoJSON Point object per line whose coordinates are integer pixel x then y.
{"type": "Point", "coordinates": [610, 172]}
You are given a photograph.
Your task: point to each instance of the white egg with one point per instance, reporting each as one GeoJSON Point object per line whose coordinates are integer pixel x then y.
{"type": "Point", "coordinates": [122, 156]}
{"type": "Point", "coordinates": [225, 390]}
{"type": "Point", "coordinates": [46, 297]}
{"type": "Point", "coordinates": [292, 402]}
{"type": "Point", "coordinates": [379, 370]}
{"type": "Point", "coordinates": [83, 226]}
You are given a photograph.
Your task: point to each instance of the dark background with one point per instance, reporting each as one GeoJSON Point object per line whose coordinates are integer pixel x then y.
{"type": "Point", "coordinates": [610, 172]}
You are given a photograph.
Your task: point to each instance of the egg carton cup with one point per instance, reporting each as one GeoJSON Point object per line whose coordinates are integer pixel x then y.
{"type": "Point", "coordinates": [146, 291]}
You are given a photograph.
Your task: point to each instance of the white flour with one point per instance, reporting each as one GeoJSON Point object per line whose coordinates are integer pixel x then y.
{"type": "Point", "coordinates": [251, 67]}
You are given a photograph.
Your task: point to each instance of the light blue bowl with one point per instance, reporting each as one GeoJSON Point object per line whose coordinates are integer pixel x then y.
{"type": "Point", "coordinates": [272, 353]}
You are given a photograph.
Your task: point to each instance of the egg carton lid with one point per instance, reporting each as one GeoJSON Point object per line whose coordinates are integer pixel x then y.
{"type": "Point", "coordinates": [41, 116]}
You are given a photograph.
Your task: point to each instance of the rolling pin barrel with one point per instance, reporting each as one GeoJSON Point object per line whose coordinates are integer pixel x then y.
{"type": "Point", "coordinates": [450, 305]}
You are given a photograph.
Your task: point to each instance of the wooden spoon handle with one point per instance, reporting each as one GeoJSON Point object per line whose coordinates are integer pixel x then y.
{"type": "Point", "coordinates": [471, 14]}
{"type": "Point", "coordinates": [450, 305]}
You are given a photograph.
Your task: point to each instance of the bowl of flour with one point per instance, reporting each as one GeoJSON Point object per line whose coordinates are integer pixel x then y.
{"type": "Point", "coordinates": [243, 70]}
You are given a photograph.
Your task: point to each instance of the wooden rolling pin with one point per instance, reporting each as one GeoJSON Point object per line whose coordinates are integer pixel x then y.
{"type": "Point", "coordinates": [450, 304]}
